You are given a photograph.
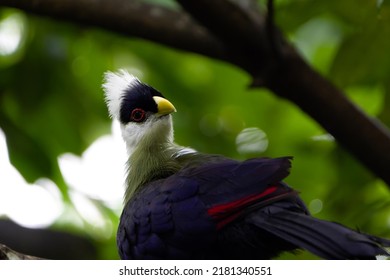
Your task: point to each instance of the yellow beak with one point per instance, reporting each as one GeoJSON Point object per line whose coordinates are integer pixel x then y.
{"type": "Point", "coordinates": [164, 107]}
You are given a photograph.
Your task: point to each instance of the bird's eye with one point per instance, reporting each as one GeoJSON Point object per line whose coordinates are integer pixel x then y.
{"type": "Point", "coordinates": [137, 115]}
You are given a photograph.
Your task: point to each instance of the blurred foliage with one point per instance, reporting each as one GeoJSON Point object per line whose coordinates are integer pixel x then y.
{"type": "Point", "coordinates": [51, 103]}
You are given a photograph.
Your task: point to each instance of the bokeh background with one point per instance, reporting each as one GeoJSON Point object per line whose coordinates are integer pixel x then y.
{"type": "Point", "coordinates": [62, 158]}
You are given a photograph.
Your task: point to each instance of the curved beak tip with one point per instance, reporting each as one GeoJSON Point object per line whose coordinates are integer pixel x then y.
{"type": "Point", "coordinates": [164, 106]}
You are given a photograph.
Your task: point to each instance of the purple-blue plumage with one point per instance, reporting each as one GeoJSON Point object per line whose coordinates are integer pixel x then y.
{"type": "Point", "coordinates": [225, 209]}
{"type": "Point", "coordinates": [164, 220]}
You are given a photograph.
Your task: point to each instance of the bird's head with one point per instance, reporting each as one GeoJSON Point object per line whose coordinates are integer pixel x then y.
{"type": "Point", "coordinates": [143, 112]}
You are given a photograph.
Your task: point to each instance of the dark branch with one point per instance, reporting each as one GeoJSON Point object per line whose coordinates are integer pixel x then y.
{"type": "Point", "coordinates": [240, 30]}
{"type": "Point", "coordinates": [364, 137]}
{"type": "Point", "coordinates": [227, 20]}
{"type": "Point", "coordinates": [287, 74]}
{"type": "Point", "coordinates": [131, 18]}
{"type": "Point", "coordinates": [232, 31]}
{"type": "Point", "coordinates": [43, 242]}
{"type": "Point", "coordinates": [272, 30]}
{"type": "Point", "coordinates": [8, 254]}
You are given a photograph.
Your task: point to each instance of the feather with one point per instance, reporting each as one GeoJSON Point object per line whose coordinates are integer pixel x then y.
{"type": "Point", "coordinates": [114, 86]}
{"type": "Point", "coordinates": [326, 239]}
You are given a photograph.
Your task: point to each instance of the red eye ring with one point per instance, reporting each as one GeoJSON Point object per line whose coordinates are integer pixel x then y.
{"type": "Point", "coordinates": [137, 115]}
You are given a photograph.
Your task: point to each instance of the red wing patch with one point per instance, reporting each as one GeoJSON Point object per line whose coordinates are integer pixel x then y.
{"type": "Point", "coordinates": [228, 212]}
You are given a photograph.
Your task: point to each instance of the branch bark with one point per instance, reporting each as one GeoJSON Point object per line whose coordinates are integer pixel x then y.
{"type": "Point", "coordinates": [238, 34]}
{"type": "Point", "coordinates": [43, 242]}
{"type": "Point", "coordinates": [7, 253]}
{"type": "Point", "coordinates": [131, 18]}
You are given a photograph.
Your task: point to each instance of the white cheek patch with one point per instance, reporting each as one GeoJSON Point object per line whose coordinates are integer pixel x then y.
{"type": "Point", "coordinates": [153, 132]}
{"type": "Point", "coordinates": [131, 134]}
{"type": "Point", "coordinates": [114, 86]}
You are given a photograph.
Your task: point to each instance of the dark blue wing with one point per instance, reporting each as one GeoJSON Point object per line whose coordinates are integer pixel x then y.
{"type": "Point", "coordinates": [228, 209]}
{"type": "Point", "coordinates": [181, 216]}
{"type": "Point", "coordinates": [163, 220]}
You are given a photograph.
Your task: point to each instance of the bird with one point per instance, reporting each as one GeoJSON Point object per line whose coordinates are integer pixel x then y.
{"type": "Point", "coordinates": [183, 204]}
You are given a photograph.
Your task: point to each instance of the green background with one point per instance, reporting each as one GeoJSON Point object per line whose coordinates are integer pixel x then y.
{"type": "Point", "coordinates": [51, 103]}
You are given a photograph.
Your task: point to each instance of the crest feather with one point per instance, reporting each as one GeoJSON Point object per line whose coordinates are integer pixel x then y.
{"type": "Point", "coordinates": [114, 86]}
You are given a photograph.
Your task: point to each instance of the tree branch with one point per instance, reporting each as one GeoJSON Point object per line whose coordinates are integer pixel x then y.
{"type": "Point", "coordinates": [7, 253]}
{"type": "Point", "coordinates": [285, 72]}
{"type": "Point", "coordinates": [232, 31]}
{"type": "Point", "coordinates": [239, 28]}
{"type": "Point", "coordinates": [364, 137]}
{"type": "Point", "coordinates": [131, 18]}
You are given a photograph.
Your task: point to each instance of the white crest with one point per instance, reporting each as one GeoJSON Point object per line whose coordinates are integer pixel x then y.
{"type": "Point", "coordinates": [114, 87]}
